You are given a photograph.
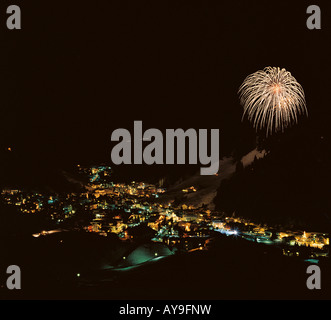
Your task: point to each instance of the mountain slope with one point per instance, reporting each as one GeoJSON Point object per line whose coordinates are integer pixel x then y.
{"type": "Point", "coordinates": [206, 186]}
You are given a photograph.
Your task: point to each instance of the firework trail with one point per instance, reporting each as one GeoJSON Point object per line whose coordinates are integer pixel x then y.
{"type": "Point", "coordinates": [272, 99]}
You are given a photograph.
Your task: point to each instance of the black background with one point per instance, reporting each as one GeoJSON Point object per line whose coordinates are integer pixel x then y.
{"type": "Point", "coordinates": [76, 71]}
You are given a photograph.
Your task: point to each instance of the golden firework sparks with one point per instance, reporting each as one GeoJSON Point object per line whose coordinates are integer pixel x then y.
{"type": "Point", "coordinates": [272, 99]}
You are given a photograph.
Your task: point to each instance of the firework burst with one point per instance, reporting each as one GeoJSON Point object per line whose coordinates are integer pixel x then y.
{"type": "Point", "coordinates": [272, 99]}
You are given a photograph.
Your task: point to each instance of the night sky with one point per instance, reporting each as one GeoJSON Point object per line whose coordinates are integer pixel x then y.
{"type": "Point", "coordinates": [77, 71]}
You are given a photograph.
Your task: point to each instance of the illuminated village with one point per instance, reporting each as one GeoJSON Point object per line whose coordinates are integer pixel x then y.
{"type": "Point", "coordinates": [133, 212]}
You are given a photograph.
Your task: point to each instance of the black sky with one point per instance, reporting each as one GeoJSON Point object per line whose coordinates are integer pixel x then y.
{"type": "Point", "coordinates": [76, 71]}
